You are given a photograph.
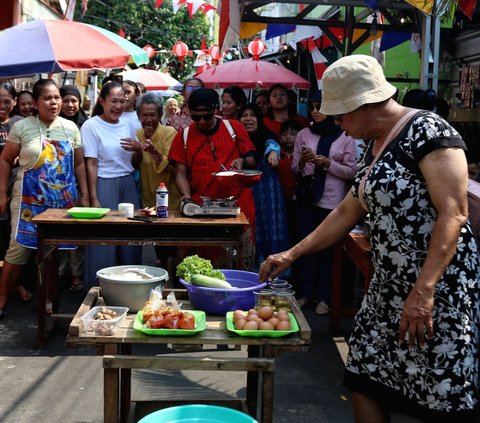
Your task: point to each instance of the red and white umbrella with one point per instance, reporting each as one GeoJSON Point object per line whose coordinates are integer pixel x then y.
{"type": "Point", "coordinates": [153, 80]}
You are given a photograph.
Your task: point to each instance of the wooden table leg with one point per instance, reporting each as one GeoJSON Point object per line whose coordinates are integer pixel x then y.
{"type": "Point", "coordinates": [41, 293]}
{"type": "Point", "coordinates": [125, 386]}
{"type": "Point", "coordinates": [51, 279]}
{"type": "Point", "coordinates": [252, 383]}
{"type": "Point", "coordinates": [111, 389]}
{"type": "Point", "coordinates": [268, 379]}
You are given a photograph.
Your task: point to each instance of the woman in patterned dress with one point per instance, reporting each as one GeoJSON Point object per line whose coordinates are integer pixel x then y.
{"type": "Point", "coordinates": [415, 340]}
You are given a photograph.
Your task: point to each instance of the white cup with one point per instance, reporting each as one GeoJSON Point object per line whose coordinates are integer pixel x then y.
{"type": "Point", "coordinates": [125, 209]}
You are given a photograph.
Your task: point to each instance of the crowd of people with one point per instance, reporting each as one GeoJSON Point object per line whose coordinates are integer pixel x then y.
{"type": "Point", "coordinates": [358, 157]}
{"type": "Point", "coordinates": [132, 141]}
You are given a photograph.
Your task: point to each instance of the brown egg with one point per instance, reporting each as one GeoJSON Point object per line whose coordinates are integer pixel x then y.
{"type": "Point", "coordinates": [282, 315]}
{"type": "Point", "coordinates": [240, 323]}
{"type": "Point", "coordinates": [252, 311]}
{"type": "Point", "coordinates": [252, 318]}
{"type": "Point", "coordinates": [238, 314]}
{"type": "Point", "coordinates": [265, 326]}
{"type": "Point", "coordinates": [283, 325]}
{"type": "Point", "coordinates": [252, 325]}
{"type": "Point", "coordinates": [259, 320]}
{"type": "Point", "coordinates": [265, 312]}
{"type": "Point", "coordinates": [274, 321]}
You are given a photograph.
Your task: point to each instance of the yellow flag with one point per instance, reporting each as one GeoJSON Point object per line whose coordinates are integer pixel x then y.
{"type": "Point", "coordinates": [425, 6]}
{"type": "Point", "coordinates": [249, 29]}
{"type": "Point", "coordinates": [357, 33]}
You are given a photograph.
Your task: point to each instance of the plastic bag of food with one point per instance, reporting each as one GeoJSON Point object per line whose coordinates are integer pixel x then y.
{"type": "Point", "coordinates": [172, 303]}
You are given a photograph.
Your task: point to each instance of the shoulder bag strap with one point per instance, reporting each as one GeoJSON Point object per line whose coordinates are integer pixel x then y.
{"type": "Point", "coordinates": [391, 135]}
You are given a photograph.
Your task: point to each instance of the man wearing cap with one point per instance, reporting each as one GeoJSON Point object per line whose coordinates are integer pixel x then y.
{"type": "Point", "coordinates": [415, 340]}
{"type": "Point", "coordinates": [208, 146]}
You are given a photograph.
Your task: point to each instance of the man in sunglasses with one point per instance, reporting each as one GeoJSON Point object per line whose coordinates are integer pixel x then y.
{"type": "Point", "coordinates": [209, 145]}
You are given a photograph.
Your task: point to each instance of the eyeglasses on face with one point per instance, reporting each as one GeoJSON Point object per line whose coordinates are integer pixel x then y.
{"type": "Point", "coordinates": [192, 88]}
{"type": "Point", "coordinates": [206, 117]}
{"type": "Point", "coordinates": [315, 106]}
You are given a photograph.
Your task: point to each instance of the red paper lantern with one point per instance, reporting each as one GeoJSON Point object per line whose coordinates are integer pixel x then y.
{"type": "Point", "coordinates": [180, 49]}
{"type": "Point", "coordinates": [256, 48]}
{"type": "Point", "coordinates": [150, 50]}
{"type": "Point", "coordinates": [215, 54]}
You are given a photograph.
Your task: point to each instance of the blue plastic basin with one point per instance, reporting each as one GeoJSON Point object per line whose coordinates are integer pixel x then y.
{"type": "Point", "coordinates": [197, 413]}
{"type": "Point", "coordinates": [218, 301]}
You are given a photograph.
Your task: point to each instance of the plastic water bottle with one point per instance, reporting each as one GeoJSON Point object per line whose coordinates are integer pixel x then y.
{"type": "Point", "coordinates": [162, 201]}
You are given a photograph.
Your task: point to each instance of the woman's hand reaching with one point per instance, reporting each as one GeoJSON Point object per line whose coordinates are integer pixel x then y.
{"type": "Point", "coordinates": [417, 317]}
{"type": "Point", "coordinates": [274, 265]}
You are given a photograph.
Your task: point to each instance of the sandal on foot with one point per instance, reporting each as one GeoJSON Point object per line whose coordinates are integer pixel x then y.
{"type": "Point", "coordinates": [76, 287]}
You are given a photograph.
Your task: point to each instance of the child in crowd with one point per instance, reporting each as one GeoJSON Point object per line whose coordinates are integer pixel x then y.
{"type": "Point", "coordinates": [288, 135]}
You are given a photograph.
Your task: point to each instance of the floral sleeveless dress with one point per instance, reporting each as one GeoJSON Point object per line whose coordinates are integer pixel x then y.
{"type": "Point", "coordinates": [439, 380]}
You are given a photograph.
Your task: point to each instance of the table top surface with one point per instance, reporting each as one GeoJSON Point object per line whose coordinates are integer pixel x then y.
{"type": "Point", "coordinates": [60, 216]}
{"type": "Point", "coordinates": [215, 332]}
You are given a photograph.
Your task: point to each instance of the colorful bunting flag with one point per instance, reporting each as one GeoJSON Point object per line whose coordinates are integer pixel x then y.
{"type": "Point", "coordinates": [249, 29]}
{"type": "Point", "coordinates": [229, 28]}
{"type": "Point", "coordinates": [425, 6]}
{"type": "Point", "coordinates": [275, 30]}
{"type": "Point", "coordinates": [319, 64]}
{"type": "Point", "coordinates": [467, 7]}
{"type": "Point", "coordinates": [158, 3]}
{"type": "Point", "coordinates": [392, 39]}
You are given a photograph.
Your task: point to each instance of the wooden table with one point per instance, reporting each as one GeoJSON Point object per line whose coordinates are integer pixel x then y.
{"type": "Point", "coordinates": [118, 362]}
{"type": "Point", "coordinates": [356, 247]}
{"type": "Point", "coordinates": [55, 227]}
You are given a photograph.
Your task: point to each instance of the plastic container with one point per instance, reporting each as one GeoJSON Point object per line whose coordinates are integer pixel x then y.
{"type": "Point", "coordinates": [129, 293]}
{"type": "Point", "coordinates": [94, 326]}
{"type": "Point", "coordinates": [197, 413]}
{"type": "Point", "coordinates": [219, 301]}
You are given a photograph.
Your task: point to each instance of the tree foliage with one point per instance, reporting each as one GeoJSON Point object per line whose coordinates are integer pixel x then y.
{"type": "Point", "coordinates": [143, 24]}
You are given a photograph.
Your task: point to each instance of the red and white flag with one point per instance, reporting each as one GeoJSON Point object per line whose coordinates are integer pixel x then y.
{"type": "Point", "coordinates": [229, 28]}
{"type": "Point", "coordinates": [319, 64]}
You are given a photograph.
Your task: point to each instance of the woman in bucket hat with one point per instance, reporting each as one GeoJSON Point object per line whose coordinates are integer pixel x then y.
{"type": "Point", "coordinates": [414, 343]}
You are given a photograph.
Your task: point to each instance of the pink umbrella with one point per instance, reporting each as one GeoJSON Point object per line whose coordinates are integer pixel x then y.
{"type": "Point", "coordinates": [251, 73]}
{"type": "Point", "coordinates": [153, 80]}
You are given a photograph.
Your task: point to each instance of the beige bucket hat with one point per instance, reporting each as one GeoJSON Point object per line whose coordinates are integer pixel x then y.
{"type": "Point", "coordinates": [351, 82]}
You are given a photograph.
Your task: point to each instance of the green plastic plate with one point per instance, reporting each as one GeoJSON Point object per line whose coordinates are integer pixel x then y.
{"type": "Point", "coordinates": [87, 212]}
{"type": "Point", "coordinates": [200, 323]}
{"type": "Point", "coordinates": [262, 333]}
